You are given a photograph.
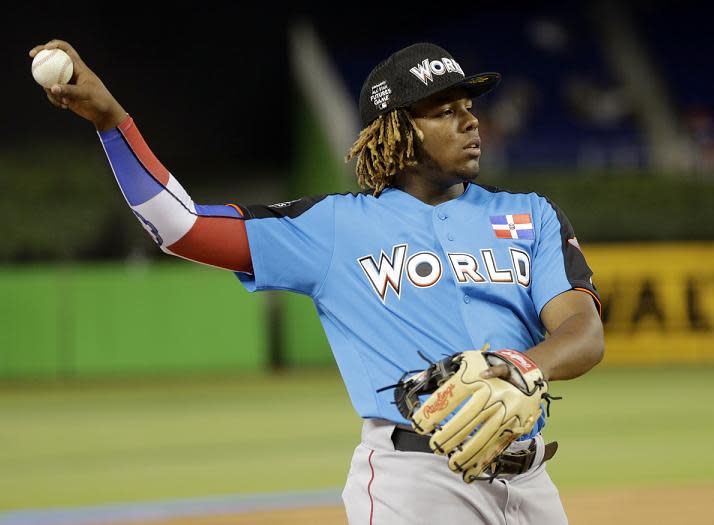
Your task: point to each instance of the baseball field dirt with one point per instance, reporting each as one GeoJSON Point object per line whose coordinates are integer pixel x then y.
{"type": "Point", "coordinates": [663, 506]}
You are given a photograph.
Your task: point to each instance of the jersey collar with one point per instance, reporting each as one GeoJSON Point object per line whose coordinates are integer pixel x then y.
{"type": "Point", "coordinates": [408, 199]}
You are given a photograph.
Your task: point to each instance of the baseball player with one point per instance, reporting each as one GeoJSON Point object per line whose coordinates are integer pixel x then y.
{"type": "Point", "coordinates": [423, 263]}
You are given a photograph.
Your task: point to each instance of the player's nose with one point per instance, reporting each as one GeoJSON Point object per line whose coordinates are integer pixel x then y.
{"type": "Point", "coordinates": [470, 121]}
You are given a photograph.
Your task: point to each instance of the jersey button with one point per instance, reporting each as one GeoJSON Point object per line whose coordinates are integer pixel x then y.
{"type": "Point", "coordinates": [450, 237]}
{"type": "Point", "coordinates": [466, 298]}
{"type": "Point", "coordinates": [442, 215]}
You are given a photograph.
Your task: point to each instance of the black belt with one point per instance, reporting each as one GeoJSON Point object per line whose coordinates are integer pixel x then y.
{"type": "Point", "coordinates": [510, 463]}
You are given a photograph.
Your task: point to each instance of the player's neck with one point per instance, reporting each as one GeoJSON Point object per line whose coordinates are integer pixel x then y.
{"type": "Point", "coordinates": [428, 191]}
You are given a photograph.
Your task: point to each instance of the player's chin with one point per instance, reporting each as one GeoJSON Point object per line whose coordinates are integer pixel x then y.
{"type": "Point", "coordinates": [470, 171]}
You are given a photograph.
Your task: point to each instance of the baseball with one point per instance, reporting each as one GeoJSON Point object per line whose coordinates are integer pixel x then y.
{"type": "Point", "coordinates": [52, 66]}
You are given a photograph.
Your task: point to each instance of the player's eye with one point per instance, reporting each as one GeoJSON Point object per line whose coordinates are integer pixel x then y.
{"type": "Point", "coordinates": [447, 112]}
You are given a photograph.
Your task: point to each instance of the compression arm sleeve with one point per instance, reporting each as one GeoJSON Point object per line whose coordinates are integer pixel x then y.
{"type": "Point", "coordinates": [208, 234]}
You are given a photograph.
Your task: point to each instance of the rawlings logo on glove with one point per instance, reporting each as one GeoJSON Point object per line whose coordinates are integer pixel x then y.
{"type": "Point", "coordinates": [486, 414]}
{"type": "Point", "coordinates": [441, 402]}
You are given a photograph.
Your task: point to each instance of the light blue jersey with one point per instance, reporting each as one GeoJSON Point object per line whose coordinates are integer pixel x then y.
{"type": "Point", "coordinates": [392, 275]}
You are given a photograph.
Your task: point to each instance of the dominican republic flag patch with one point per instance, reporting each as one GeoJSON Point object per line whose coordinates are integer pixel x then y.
{"type": "Point", "coordinates": [515, 226]}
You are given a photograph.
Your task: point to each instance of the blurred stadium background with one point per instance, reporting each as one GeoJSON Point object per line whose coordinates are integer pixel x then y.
{"type": "Point", "coordinates": [132, 386]}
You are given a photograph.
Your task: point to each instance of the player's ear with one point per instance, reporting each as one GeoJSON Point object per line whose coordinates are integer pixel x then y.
{"type": "Point", "coordinates": [419, 132]}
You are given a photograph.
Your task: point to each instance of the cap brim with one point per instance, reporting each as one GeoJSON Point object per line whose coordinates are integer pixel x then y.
{"type": "Point", "coordinates": [479, 84]}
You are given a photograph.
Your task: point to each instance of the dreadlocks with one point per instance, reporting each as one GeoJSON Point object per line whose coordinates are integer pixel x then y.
{"type": "Point", "coordinates": [385, 147]}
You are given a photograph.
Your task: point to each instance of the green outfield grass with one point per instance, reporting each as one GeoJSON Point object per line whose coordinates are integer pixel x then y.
{"type": "Point", "coordinates": [634, 426]}
{"type": "Point", "coordinates": [90, 443]}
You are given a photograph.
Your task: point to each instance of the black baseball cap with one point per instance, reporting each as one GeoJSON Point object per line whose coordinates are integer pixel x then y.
{"type": "Point", "coordinates": [414, 73]}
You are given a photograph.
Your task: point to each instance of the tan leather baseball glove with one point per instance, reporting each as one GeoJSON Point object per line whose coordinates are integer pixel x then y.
{"type": "Point", "coordinates": [472, 420]}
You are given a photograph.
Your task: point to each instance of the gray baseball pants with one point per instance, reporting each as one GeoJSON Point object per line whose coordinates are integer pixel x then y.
{"type": "Point", "coordinates": [392, 487]}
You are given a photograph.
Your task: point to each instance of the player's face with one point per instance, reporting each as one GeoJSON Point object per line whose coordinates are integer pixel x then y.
{"type": "Point", "coordinates": [451, 144]}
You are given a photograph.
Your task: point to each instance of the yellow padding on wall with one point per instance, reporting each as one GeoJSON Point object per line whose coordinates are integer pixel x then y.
{"type": "Point", "coordinates": [658, 301]}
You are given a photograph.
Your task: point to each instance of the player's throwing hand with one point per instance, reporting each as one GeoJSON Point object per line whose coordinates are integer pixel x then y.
{"type": "Point", "coordinates": [84, 94]}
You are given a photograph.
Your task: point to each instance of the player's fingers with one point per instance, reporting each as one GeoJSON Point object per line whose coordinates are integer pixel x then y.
{"type": "Point", "coordinates": [52, 44]}
{"type": "Point", "coordinates": [501, 371]}
{"type": "Point", "coordinates": [33, 52]}
{"type": "Point", "coordinates": [64, 46]}
{"type": "Point", "coordinates": [54, 100]}
{"type": "Point", "coordinates": [67, 48]}
{"type": "Point", "coordinates": [69, 92]}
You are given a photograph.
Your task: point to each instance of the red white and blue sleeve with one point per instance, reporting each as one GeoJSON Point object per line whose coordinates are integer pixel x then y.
{"type": "Point", "coordinates": [210, 234]}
